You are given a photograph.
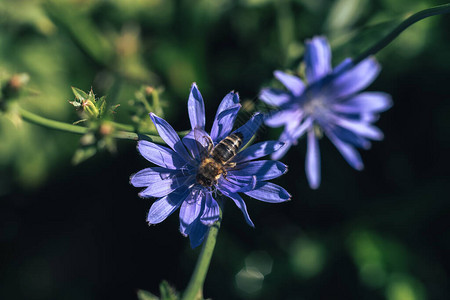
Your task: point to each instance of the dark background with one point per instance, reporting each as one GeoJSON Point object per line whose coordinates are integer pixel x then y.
{"type": "Point", "coordinates": [79, 232]}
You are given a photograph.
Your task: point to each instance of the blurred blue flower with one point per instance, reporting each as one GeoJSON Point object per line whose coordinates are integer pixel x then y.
{"type": "Point", "coordinates": [330, 103]}
{"type": "Point", "coordinates": [175, 180]}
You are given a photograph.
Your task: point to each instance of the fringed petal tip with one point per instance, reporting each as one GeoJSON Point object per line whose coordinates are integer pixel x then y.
{"type": "Point", "coordinates": [143, 196]}
{"type": "Point", "coordinates": [269, 192]}
{"type": "Point", "coordinates": [130, 179]}
{"type": "Point", "coordinates": [286, 169]}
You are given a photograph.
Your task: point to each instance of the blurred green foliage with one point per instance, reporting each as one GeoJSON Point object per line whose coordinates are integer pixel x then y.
{"type": "Point", "coordinates": [352, 239]}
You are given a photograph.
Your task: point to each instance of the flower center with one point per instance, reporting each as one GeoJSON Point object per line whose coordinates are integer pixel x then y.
{"type": "Point", "coordinates": [315, 107]}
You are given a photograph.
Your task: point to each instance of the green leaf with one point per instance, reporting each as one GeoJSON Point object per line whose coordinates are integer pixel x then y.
{"type": "Point", "coordinates": [82, 28]}
{"type": "Point", "coordinates": [344, 13]}
{"type": "Point", "coordinates": [79, 94]}
{"type": "Point", "coordinates": [83, 153]}
{"type": "Point", "coordinates": [167, 292]}
{"type": "Point", "coordinates": [75, 103]}
{"type": "Point", "coordinates": [144, 295]}
{"type": "Point", "coordinates": [101, 104]}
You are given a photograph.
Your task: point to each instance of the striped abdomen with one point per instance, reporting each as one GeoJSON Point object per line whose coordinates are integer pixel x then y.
{"type": "Point", "coordinates": [227, 148]}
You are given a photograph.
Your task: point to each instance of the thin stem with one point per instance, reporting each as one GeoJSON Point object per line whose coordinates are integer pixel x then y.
{"type": "Point", "coordinates": [194, 290]}
{"type": "Point", "coordinates": [125, 127]}
{"type": "Point", "coordinates": [437, 10]}
{"type": "Point", "coordinates": [125, 135]}
{"type": "Point", "coordinates": [61, 126]}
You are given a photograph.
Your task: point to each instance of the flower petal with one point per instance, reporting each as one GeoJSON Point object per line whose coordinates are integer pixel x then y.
{"type": "Point", "coordinates": [269, 192]}
{"type": "Point", "coordinates": [300, 130]}
{"type": "Point", "coordinates": [257, 150]}
{"type": "Point", "coordinates": [282, 151]}
{"type": "Point", "coordinates": [360, 128]}
{"type": "Point", "coordinates": [294, 84]}
{"type": "Point", "coordinates": [349, 137]}
{"type": "Point", "coordinates": [160, 155]}
{"type": "Point", "coordinates": [317, 59]}
{"type": "Point", "coordinates": [282, 117]}
{"type": "Point", "coordinates": [234, 184]}
{"type": "Point", "coordinates": [163, 187]}
{"type": "Point", "coordinates": [196, 142]}
{"type": "Point", "coordinates": [313, 161]}
{"type": "Point", "coordinates": [211, 213]}
{"type": "Point", "coordinates": [274, 97]}
{"type": "Point", "coordinates": [240, 204]}
{"type": "Point", "coordinates": [354, 79]}
{"type": "Point", "coordinates": [231, 99]}
{"type": "Point", "coordinates": [197, 233]}
{"type": "Point", "coordinates": [365, 102]}
{"type": "Point", "coordinates": [223, 123]}
{"type": "Point", "coordinates": [369, 117]}
{"type": "Point", "coordinates": [190, 209]}
{"type": "Point", "coordinates": [348, 152]}
{"type": "Point", "coordinates": [165, 206]}
{"type": "Point", "coordinates": [170, 136]}
{"type": "Point", "coordinates": [261, 169]}
{"type": "Point", "coordinates": [249, 129]}
{"type": "Point", "coordinates": [148, 176]}
{"type": "Point", "coordinates": [196, 108]}
{"type": "Point", "coordinates": [346, 64]}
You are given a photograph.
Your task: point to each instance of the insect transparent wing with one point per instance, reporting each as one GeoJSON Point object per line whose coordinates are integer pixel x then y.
{"type": "Point", "coordinates": [249, 129]}
{"type": "Point", "coordinates": [197, 142]}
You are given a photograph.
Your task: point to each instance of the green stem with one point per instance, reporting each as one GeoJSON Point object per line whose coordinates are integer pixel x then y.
{"type": "Point", "coordinates": [125, 127]}
{"type": "Point", "coordinates": [194, 290]}
{"type": "Point", "coordinates": [38, 120]}
{"type": "Point", "coordinates": [61, 126]}
{"type": "Point", "coordinates": [437, 10]}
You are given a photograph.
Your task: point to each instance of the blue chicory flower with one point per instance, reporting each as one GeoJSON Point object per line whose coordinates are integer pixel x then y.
{"type": "Point", "coordinates": [330, 103]}
{"type": "Point", "coordinates": [173, 181]}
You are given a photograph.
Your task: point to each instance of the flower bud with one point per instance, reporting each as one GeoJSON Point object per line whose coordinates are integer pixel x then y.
{"type": "Point", "coordinates": [17, 81]}
{"type": "Point", "coordinates": [106, 128]}
{"type": "Point", "coordinates": [90, 109]}
{"type": "Point", "coordinates": [87, 104]}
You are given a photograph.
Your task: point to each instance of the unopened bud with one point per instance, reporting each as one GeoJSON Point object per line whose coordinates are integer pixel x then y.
{"type": "Point", "coordinates": [248, 105]}
{"type": "Point", "coordinates": [106, 128]}
{"type": "Point", "coordinates": [90, 109]}
{"type": "Point", "coordinates": [149, 90]}
{"type": "Point", "coordinates": [17, 81]}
